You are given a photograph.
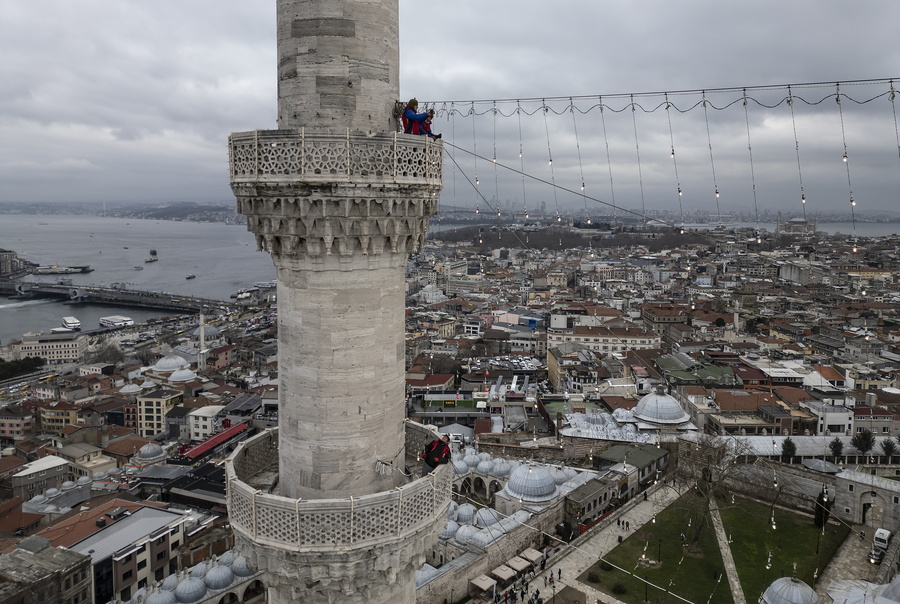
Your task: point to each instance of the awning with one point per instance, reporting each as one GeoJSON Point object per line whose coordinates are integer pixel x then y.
{"type": "Point", "coordinates": [532, 555]}
{"type": "Point", "coordinates": [483, 583]}
{"type": "Point", "coordinates": [518, 564]}
{"type": "Point", "coordinates": [504, 573]}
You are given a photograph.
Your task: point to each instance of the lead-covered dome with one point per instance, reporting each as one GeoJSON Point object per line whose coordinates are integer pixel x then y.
{"type": "Point", "coordinates": [660, 408]}
{"type": "Point", "coordinates": [789, 590]}
{"type": "Point", "coordinates": [218, 577]}
{"type": "Point", "coordinates": [531, 483]}
{"type": "Point", "coordinates": [170, 362]}
{"type": "Point", "coordinates": [190, 590]}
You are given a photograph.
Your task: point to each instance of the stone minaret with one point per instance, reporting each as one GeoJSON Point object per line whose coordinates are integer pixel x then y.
{"type": "Point", "coordinates": [339, 199]}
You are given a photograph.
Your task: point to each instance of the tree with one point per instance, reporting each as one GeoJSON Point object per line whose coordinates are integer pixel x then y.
{"type": "Point", "coordinates": [788, 450]}
{"type": "Point", "coordinates": [863, 441]}
{"type": "Point", "coordinates": [837, 448]}
{"type": "Point", "coordinates": [889, 447]}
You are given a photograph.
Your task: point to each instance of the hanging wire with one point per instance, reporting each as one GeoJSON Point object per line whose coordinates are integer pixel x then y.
{"type": "Point", "coordinates": [475, 155]}
{"type": "Point", "coordinates": [712, 162]}
{"type": "Point", "coordinates": [550, 156]}
{"type": "Point", "coordinates": [522, 162]}
{"type": "Point", "coordinates": [752, 171]}
{"type": "Point", "coordinates": [790, 103]}
{"type": "Point", "coordinates": [612, 190]}
{"type": "Point", "coordinates": [453, 150]}
{"type": "Point", "coordinates": [675, 163]}
{"type": "Point", "coordinates": [891, 97]}
{"type": "Point", "coordinates": [637, 150]}
{"type": "Point", "coordinates": [837, 97]}
{"type": "Point", "coordinates": [496, 178]}
{"type": "Point", "coordinates": [587, 216]}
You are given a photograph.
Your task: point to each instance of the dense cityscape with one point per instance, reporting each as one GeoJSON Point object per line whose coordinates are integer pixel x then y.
{"type": "Point", "coordinates": [584, 388]}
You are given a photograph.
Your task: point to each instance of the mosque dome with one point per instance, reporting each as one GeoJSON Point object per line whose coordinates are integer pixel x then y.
{"type": "Point", "coordinates": [227, 558]}
{"type": "Point", "coordinates": [182, 375]}
{"type": "Point", "coordinates": [485, 537]}
{"type": "Point", "coordinates": [660, 408]}
{"type": "Point", "coordinates": [486, 517]}
{"type": "Point", "coordinates": [67, 485]}
{"type": "Point", "coordinates": [219, 577]}
{"type": "Point", "coordinates": [161, 597]}
{"type": "Point", "coordinates": [138, 596]}
{"type": "Point", "coordinates": [465, 533]}
{"type": "Point", "coordinates": [789, 590]}
{"type": "Point", "coordinates": [38, 499]}
{"type": "Point", "coordinates": [531, 483]}
{"type": "Point", "coordinates": [150, 451]}
{"type": "Point", "coordinates": [460, 467]}
{"type": "Point", "coordinates": [484, 467]}
{"type": "Point", "coordinates": [471, 459]}
{"type": "Point", "coordinates": [99, 475]}
{"type": "Point", "coordinates": [450, 530]}
{"type": "Point", "coordinates": [239, 567]}
{"type": "Point", "coordinates": [84, 480]}
{"type": "Point", "coordinates": [199, 571]}
{"type": "Point", "coordinates": [190, 590]}
{"type": "Point", "coordinates": [170, 583]}
{"type": "Point", "coordinates": [484, 456]}
{"type": "Point", "coordinates": [559, 476]}
{"type": "Point", "coordinates": [425, 574]}
{"type": "Point", "coordinates": [892, 592]}
{"type": "Point", "coordinates": [148, 384]}
{"type": "Point", "coordinates": [130, 389]}
{"type": "Point", "coordinates": [501, 468]}
{"type": "Point", "coordinates": [52, 493]}
{"type": "Point", "coordinates": [465, 513]}
{"type": "Point", "coordinates": [169, 363]}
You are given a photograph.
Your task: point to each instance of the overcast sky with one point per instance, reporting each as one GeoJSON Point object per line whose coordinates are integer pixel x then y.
{"type": "Point", "coordinates": [130, 100]}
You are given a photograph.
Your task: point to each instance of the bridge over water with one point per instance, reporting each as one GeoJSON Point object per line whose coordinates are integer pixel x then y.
{"type": "Point", "coordinates": [113, 295]}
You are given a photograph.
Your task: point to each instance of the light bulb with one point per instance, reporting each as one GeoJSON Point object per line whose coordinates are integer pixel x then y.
{"type": "Point", "coordinates": [679, 191]}
{"type": "Point", "coordinates": [477, 211]}
{"type": "Point", "coordinates": [476, 181]}
{"type": "Point", "coordinates": [589, 221]}
{"type": "Point", "coordinates": [717, 193]}
{"type": "Point", "coordinates": [526, 215]}
{"type": "Point", "coordinates": [845, 158]}
{"type": "Point", "coordinates": [582, 186]}
{"type": "Point", "coordinates": [550, 162]}
{"type": "Point", "coordinates": [673, 153]}
{"type": "Point", "coordinates": [852, 202]}
{"type": "Point", "coordinates": [803, 198]}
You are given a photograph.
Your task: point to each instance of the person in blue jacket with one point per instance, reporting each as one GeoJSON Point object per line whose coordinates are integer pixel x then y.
{"type": "Point", "coordinates": [412, 121]}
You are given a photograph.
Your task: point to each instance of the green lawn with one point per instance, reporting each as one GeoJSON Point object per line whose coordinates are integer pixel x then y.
{"type": "Point", "coordinates": [691, 575]}
{"type": "Point", "coordinates": [795, 540]}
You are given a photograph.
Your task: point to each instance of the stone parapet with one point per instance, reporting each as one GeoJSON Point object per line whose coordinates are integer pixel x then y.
{"type": "Point", "coordinates": [312, 196]}
{"type": "Point", "coordinates": [320, 525]}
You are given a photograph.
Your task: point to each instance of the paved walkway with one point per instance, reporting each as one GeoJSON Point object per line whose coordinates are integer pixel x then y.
{"type": "Point", "coordinates": [737, 592]}
{"type": "Point", "coordinates": [575, 559]}
{"type": "Point", "coordinates": [850, 562]}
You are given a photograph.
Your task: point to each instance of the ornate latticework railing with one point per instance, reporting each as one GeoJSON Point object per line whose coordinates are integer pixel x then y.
{"type": "Point", "coordinates": [325, 524]}
{"type": "Point", "coordinates": [276, 156]}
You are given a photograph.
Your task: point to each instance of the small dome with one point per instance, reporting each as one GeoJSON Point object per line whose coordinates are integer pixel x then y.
{"type": "Point", "coordinates": [660, 408]}
{"type": "Point", "coordinates": [788, 590]}
{"type": "Point", "coordinates": [67, 485]}
{"type": "Point", "coordinates": [460, 467]}
{"type": "Point", "coordinates": [450, 530]}
{"type": "Point", "coordinates": [151, 450]}
{"type": "Point", "coordinates": [169, 363]}
{"type": "Point", "coordinates": [485, 537]}
{"type": "Point", "coordinates": [425, 574]}
{"type": "Point", "coordinates": [161, 597]}
{"type": "Point", "coordinates": [219, 577]}
{"type": "Point", "coordinates": [227, 558]}
{"type": "Point", "coordinates": [451, 511]}
{"type": "Point", "coordinates": [39, 499]}
{"type": "Point", "coordinates": [465, 513]}
{"type": "Point", "coordinates": [486, 517]}
{"type": "Point", "coordinates": [170, 583]}
{"type": "Point", "coordinates": [190, 590]}
{"type": "Point", "coordinates": [484, 456]}
{"type": "Point", "coordinates": [182, 375]}
{"type": "Point", "coordinates": [209, 331]}
{"type": "Point", "coordinates": [199, 571]}
{"type": "Point", "coordinates": [240, 568]}
{"type": "Point", "coordinates": [465, 533]}
{"type": "Point", "coordinates": [559, 476]}
{"type": "Point", "coordinates": [138, 596]}
{"type": "Point", "coordinates": [130, 389]}
{"type": "Point", "coordinates": [531, 483]}
{"type": "Point", "coordinates": [471, 460]}
{"type": "Point", "coordinates": [148, 384]}
{"type": "Point", "coordinates": [484, 467]}
{"type": "Point", "coordinates": [52, 492]}
{"type": "Point", "coordinates": [501, 468]}
{"type": "Point", "coordinates": [84, 480]}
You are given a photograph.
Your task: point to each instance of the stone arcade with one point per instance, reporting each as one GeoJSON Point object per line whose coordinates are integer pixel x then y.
{"type": "Point", "coordinates": [339, 199]}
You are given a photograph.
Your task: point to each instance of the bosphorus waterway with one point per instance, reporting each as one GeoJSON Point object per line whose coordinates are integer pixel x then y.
{"type": "Point", "coordinates": [223, 258]}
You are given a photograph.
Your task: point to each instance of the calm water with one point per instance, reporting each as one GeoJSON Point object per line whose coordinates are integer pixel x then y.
{"type": "Point", "coordinates": [223, 258]}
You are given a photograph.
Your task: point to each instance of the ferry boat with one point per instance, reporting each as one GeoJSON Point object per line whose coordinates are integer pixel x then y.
{"type": "Point", "coordinates": [71, 323]}
{"type": "Point", "coordinates": [116, 321]}
{"type": "Point", "coordinates": [152, 257]}
{"type": "Point", "coordinates": [191, 276]}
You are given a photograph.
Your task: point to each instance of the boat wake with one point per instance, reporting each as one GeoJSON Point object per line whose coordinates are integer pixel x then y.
{"type": "Point", "coordinates": [21, 303]}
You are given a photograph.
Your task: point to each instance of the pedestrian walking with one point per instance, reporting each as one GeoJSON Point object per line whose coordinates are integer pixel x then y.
{"type": "Point", "coordinates": [627, 525]}
{"type": "Point", "coordinates": [618, 522]}
{"type": "Point", "coordinates": [560, 574]}
{"type": "Point", "coordinates": [545, 580]}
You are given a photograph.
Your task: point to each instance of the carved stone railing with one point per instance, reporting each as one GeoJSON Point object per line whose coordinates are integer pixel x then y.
{"type": "Point", "coordinates": [323, 525]}
{"type": "Point", "coordinates": [291, 156]}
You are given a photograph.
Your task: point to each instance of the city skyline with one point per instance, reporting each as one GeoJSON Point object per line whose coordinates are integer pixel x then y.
{"type": "Point", "coordinates": [127, 103]}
